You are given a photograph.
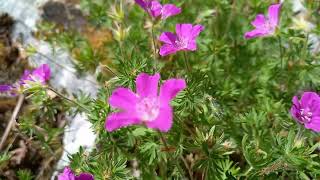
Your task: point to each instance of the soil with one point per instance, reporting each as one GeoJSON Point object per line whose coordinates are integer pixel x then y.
{"type": "Point", "coordinates": [63, 14]}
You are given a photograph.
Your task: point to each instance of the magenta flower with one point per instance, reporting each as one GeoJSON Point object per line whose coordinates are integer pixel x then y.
{"type": "Point", "coordinates": [145, 106]}
{"type": "Point", "coordinates": [40, 75]}
{"type": "Point", "coordinates": [69, 175]}
{"type": "Point", "coordinates": [184, 40]}
{"type": "Point", "coordinates": [5, 88]}
{"type": "Point", "coordinates": [307, 110]}
{"type": "Point", "coordinates": [265, 26]}
{"type": "Point", "coordinates": [155, 9]}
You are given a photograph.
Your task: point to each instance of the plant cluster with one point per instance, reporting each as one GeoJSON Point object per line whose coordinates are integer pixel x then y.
{"type": "Point", "coordinates": [235, 101]}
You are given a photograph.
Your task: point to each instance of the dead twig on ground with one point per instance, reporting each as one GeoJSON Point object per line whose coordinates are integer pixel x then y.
{"type": "Point", "coordinates": [12, 121]}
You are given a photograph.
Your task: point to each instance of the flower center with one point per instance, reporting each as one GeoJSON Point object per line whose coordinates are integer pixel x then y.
{"type": "Point", "coordinates": [181, 43]}
{"type": "Point", "coordinates": [148, 109]}
{"type": "Point", "coordinates": [267, 25]}
{"type": "Point", "coordinates": [305, 115]}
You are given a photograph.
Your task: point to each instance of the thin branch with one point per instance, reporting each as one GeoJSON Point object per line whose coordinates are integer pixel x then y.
{"type": "Point", "coordinates": [12, 120]}
{"type": "Point", "coordinates": [67, 99]}
{"type": "Point", "coordinates": [110, 70]}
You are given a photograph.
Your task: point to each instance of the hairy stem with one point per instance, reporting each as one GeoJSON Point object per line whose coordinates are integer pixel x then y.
{"type": "Point", "coordinates": [154, 46]}
{"type": "Point", "coordinates": [186, 62]}
{"type": "Point", "coordinates": [305, 47]}
{"type": "Point", "coordinates": [280, 50]}
{"type": "Point", "coordinates": [67, 99]}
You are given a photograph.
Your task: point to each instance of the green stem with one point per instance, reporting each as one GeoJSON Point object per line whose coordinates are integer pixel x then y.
{"type": "Point", "coordinates": [181, 156]}
{"type": "Point", "coordinates": [246, 173]}
{"type": "Point", "coordinates": [300, 131]}
{"type": "Point", "coordinates": [163, 170]}
{"type": "Point", "coordinates": [280, 49]}
{"type": "Point", "coordinates": [163, 139]}
{"type": "Point", "coordinates": [122, 57]}
{"type": "Point", "coordinates": [121, 52]}
{"type": "Point", "coordinates": [186, 62]}
{"type": "Point", "coordinates": [305, 47]}
{"type": "Point", "coordinates": [67, 99]}
{"type": "Point", "coordinates": [154, 46]}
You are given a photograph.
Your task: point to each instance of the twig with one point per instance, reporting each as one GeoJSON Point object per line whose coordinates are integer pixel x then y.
{"type": "Point", "coordinates": [12, 120]}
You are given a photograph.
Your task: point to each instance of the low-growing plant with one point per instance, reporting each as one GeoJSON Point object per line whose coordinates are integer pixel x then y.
{"type": "Point", "coordinates": [191, 90]}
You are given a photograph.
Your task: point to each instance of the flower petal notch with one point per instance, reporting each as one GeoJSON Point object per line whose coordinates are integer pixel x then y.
{"type": "Point", "coordinates": [183, 40]}
{"type": "Point", "coordinates": [155, 9]}
{"type": "Point", "coordinates": [69, 175]}
{"type": "Point", "coordinates": [146, 106]}
{"type": "Point", "coordinates": [265, 26]}
{"type": "Point", "coordinates": [307, 110]}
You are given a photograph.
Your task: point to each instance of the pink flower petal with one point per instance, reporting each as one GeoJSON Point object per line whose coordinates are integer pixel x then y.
{"type": "Point", "coordinates": [170, 88]}
{"type": "Point", "coordinates": [295, 108]}
{"type": "Point", "coordinates": [141, 3]}
{"type": "Point", "coordinates": [167, 49]}
{"type": "Point", "coordinates": [25, 76]}
{"type": "Point", "coordinates": [273, 14]}
{"type": "Point", "coordinates": [308, 97]}
{"type": "Point", "coordinates": [5, 88]}
{"type": "Point", "coordinates": [315, 108]}
{"type": "Point", "coordinates": [120, 119]}
{"type": "Point", "coordinates": [255, 33]}
{"type": "Point", "coordinates": [42, 73]}
{"type": "Point", "coordinates": [85, 176]}
{"type": "Point", "coordinates": [259, 21]}
{"type": "Point", "coordinates": [67, 174]}
{"type": "Point", "coordinates": [183, 30]}
{"type": "Point", "coordinates": [124, 99]}
{"type": "Point", "coordinates": [168, 37]}
{"type": "Point", "coordinates": [196, 31]}
{"type": "Point", "coordinates": [314, 124]}
{"type": "Point", "coordinates": [155, 8]}
{"type": "Point", "coordinates": [164, 121]}
{"type": "Point", "coordinates": [192, 45]}
{"type": "Point", "coordinates": [170, 10]}
{"type": "Point", "coordinates": [147, 86]}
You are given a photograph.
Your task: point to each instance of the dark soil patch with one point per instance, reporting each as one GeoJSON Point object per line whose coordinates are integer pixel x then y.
{"type": "Point", "coordinates": [66, 15]}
